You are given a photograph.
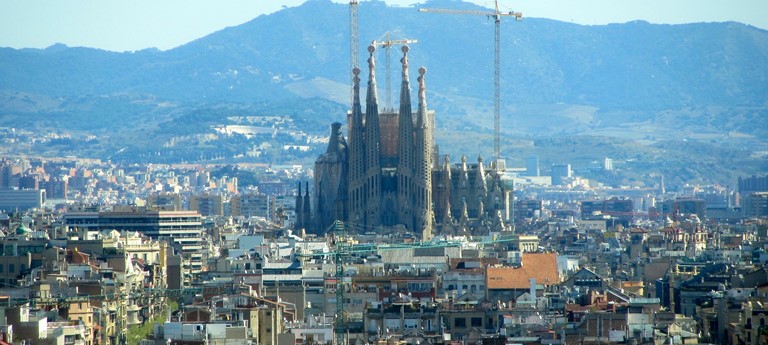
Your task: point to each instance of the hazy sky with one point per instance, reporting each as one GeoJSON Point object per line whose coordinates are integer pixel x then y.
{"type": "Point", "coordinates": [122, 25]}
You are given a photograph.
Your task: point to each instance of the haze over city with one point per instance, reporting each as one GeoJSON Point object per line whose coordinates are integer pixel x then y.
{"type": "Point", "coordinates": [593, 174]}
{"type": "Point", "coordinates": [136, 25]}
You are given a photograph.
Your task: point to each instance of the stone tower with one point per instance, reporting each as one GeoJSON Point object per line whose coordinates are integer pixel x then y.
{"type": "Point", "coordinates": [381, 179]}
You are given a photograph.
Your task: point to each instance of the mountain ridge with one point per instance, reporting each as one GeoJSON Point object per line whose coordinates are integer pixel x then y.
{"type": "Point", "coordinates": [560, 62]}
{"type": "Point", "coordinates": [646, 82]}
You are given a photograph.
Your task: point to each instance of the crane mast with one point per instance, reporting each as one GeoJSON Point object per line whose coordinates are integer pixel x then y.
{"type": "Point", "coordinates": [496, 15]}
{"type": "Point", "coordinates": [339, 257]}
{"type": "Point", "coordinates": [387, 43]}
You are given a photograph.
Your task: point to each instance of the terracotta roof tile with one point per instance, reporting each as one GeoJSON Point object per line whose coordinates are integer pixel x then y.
{"type": "Point", "coordinates": [541, 266]}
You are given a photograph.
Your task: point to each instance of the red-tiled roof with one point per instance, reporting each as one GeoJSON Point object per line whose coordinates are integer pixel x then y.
{"type": "Point", "coordinates": [541, 266]}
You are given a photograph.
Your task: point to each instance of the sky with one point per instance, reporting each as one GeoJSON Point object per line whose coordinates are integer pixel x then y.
{"type": "Point", "coordinates": [121, 25]}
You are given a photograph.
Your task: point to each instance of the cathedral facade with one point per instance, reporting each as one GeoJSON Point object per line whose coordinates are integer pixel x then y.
{"type": "Point", "coordinates": [386, 175]}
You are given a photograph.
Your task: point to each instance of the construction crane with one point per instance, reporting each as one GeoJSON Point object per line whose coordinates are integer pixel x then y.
{"type": "Point", "coordinates": [354, 43]}
{"type": "Point", "coordinates": [339, 256]}
{"type": "Point", "coordinates": [496, 15]}
{"type": "Point", "coordinates": [386, 42]}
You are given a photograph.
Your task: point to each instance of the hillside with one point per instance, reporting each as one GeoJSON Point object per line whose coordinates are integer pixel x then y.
{"type": "Point", "coordinates": [636, 81]}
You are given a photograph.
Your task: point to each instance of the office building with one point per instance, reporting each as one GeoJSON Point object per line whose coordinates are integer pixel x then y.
{"type": "Point", "coordinates": [561, 173]}
{"type": "Point", "coordinates": [21, 199]}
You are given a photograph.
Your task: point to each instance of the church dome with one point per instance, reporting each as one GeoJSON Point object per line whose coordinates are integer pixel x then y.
{"type": "Point", "coordinates": [22, 230]}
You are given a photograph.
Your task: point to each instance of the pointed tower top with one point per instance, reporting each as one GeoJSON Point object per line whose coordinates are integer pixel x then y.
{"type": "Point", "coordinates": [371, 97]}
{"type": "Point", "coordinates": [371, 60]}
{"type": "Point", "coordinates": [405, 93]}
{"type": "Point", "coordinates": [422, 87]}
{"type": "Point", "coordinates": [404, 61]}
{"type": "Point", "coordinates": [356, 85]}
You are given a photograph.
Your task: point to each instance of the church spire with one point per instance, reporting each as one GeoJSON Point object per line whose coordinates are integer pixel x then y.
{"type": "Point", "coordinates": [424, 146]}
{"type": "Point", "coordinates": [372, 154]}
{"type": "Point", "coordinates": [356, 88]}
{"type": "Point", "coordinates": [406, 152]}
{"type": "Point", "coordinates": [356, 131]}
{"type": "Point", "coordinates": [356, 165]}
{"type": "Point", "coordinates": [480, 186]}
{"type": "Point", "coordinates": [406, 78]}
{"type": "Point", "coordinates": [422, 120]}
{"type": "Point", "coordinates": [372, 96]}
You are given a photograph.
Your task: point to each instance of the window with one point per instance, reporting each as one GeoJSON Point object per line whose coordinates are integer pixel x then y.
{"type": "Point", "coordinates": [11, 268]}
{"type": "Point", "coordinates": [460, 322]}
{"type": "Point", "coordinates": [477, 322]}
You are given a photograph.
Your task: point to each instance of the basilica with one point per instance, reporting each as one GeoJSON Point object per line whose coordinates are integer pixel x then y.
{"type": "Point", "coordinates": [386, 176]}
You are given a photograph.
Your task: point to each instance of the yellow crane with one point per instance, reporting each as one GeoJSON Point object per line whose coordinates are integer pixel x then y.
{"type": "Point", "coordinates": [386, 42]}
{"type": "Point", "coordinates": [496, 15]}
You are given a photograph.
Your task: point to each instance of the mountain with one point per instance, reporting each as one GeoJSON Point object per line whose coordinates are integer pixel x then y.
{"type": "Point", "coordinates": [636, 64]}
{"type": "Point", "coordinates": [642, 82]}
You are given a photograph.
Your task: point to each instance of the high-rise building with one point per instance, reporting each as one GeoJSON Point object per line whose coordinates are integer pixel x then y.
{"type": "Point", "coordinates": [165, 201]}
{"type": "Point", "coordinates": [621, 209]}
{"type": "Point", "coordinates": [207, 204]}
{"type": "Point", "coordinates": [251, 204]}
{"type": "Point", "coordinates": [21, 199]}
{"type": "Point", "coordinates": [607, 164]}
{"type": "Point", "coordinates": [183, 230]}
{"type": "Point", "coordinates": [560, 174]}
{"type": "Point", "coordinates": [29, 182]}
{"type": "Point", "coordinates": [756, 204]}
{"type": "Point", "coordinates": [529, 208]}
{"type": "Point", "coordinates": [385, 175]}
{"type": "Point", "coordinates": [684, 206]}
{"type": "Point", "coordinates": [55, 188]}
{"type": "Point", "coordinates": [6, 173]}
{"type": "Point", "coordinates": [532, 166]}
{"type": "Point", "coordinates": [753, 184]}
